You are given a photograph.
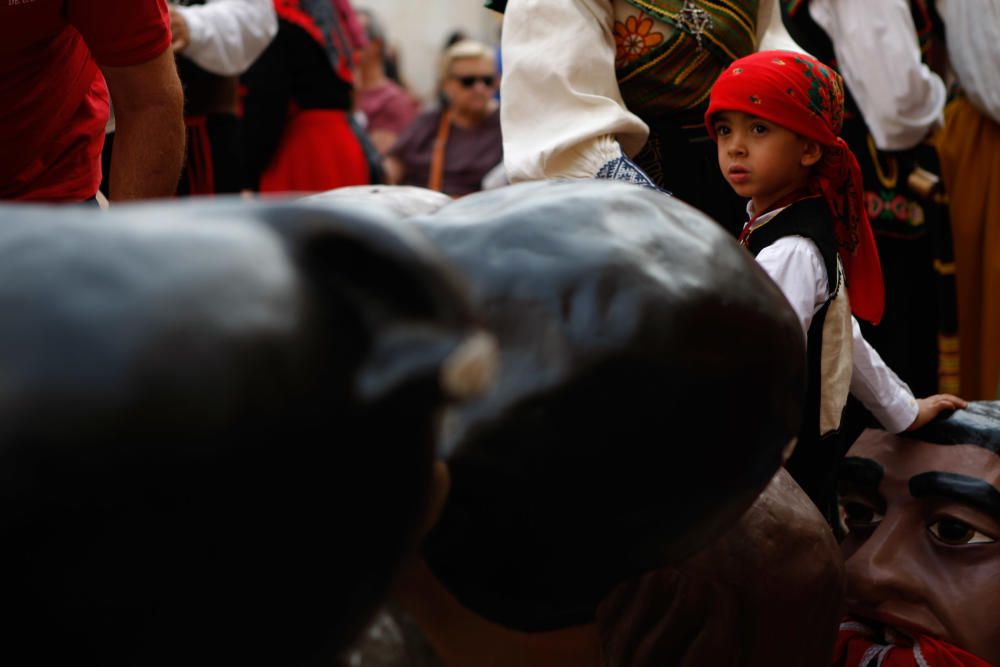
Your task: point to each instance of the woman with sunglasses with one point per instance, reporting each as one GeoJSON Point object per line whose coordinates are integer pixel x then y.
{"type": "Point", "coordinates": [453, 148]}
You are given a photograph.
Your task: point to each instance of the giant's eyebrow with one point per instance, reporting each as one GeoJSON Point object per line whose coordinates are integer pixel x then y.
{"type": "Point", "coordinates": [962, 488]}
{"type": "Point", "coordinates": [860, 472]}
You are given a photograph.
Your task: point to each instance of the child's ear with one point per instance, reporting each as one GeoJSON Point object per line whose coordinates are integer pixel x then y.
{"type": "Point", "coordinates": [812, 152]}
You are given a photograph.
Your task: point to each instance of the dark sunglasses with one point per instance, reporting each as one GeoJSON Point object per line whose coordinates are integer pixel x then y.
{"type": "Point", "coordinates": [470, 81]}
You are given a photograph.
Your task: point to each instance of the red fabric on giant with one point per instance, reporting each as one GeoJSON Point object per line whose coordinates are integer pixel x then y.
{"type": "Point", "coordinates": [857, 647]}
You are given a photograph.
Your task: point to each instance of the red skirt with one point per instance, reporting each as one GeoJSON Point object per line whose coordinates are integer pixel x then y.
{"type": "Point", "coordinates": [318, 151]}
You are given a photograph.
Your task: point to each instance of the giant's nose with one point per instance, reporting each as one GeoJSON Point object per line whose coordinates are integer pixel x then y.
{"type": "Point", "coordinates": [885, 566]}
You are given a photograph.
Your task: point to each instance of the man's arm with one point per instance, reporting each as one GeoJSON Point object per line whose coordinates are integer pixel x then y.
{"type": "Point", "coordinates": [149, 139]}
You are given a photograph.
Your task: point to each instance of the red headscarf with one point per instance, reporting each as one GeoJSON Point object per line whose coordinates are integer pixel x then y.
{"type": "Point", "coordinates": [856, 648]}
{"type": "Point", "coordinates": [799, 93]}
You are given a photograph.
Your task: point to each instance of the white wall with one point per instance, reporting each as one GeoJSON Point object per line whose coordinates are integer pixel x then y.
{"type": "Point", "coordinates": [418, 28]}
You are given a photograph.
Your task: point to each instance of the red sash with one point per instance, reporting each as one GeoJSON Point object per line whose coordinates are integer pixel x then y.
{"type": "Point", "coordinates": [856, 647]}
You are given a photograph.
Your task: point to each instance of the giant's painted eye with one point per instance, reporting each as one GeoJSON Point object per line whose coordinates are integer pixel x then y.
{"type": "Point", "coordinates": [860, 516]}
{"type": "Point", "coordinates": [722, 130]}
{"type": "Point", "coordinates": [758, 128]}
{"type": "Point", "coordinates": [957, 533]}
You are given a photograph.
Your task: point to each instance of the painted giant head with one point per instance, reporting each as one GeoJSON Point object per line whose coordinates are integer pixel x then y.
{"type": "Point", "coordinates": [923, 551]}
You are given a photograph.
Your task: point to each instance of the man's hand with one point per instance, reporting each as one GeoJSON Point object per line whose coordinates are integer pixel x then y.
{"type": "Point", "coordinates": [180, 37]}
{"type": "Point", "coordinates": [932, 406]}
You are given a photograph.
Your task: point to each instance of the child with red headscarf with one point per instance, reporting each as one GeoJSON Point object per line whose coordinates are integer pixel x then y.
{"type": "Point", "coordinates": [775, 116]}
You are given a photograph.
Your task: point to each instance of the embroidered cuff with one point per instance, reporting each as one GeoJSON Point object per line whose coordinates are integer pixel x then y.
{"type": "Point", "coordinates": [623, 169]}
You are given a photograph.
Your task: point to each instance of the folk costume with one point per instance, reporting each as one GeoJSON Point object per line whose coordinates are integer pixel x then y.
{"type": "Point", "coordinates": [859, 645]}
{"type": "Point", "coordinates": [818, 247]}
{"type": "Point", "coordinates": [299, 134]}
{"type": "Point", "coordinates": [621, 86]}
{"type": "Point", "coordinates": [969, 148]}
{"type": "Point", "coordinates": [893, 100]}
{"type": "Point", "coordinates": [225, 37]}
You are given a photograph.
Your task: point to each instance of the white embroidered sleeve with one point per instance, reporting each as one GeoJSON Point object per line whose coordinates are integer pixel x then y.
{"type": "Point", "coordinates": [227, 36]}
{"type": "Point", "coordinates": [972, 33]}
{"type": "Point", "coordinates": [562, 113]}
{"type": "Point", "coordinates": [879, 389]}
{"type": "Point", "coordinates": [877, 50]}
{"type": "Point", "coordinates": [795, 264]}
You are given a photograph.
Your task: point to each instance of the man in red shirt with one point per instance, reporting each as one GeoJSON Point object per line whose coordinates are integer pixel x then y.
{"type": "Point", "coordinates": [59, 59]}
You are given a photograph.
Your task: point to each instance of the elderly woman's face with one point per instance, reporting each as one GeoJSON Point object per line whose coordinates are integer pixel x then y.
{"type": "Point", "coordinates": [470, 85]}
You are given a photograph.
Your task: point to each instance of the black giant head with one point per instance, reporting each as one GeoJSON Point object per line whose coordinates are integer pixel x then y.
{"type": "Point", "coordinates": [216, 427]}
{"type": "Point", "coordinates": [652, 376]}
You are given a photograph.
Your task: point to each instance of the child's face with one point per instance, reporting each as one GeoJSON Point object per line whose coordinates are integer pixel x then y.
{"type": "Point", "coordinates": [762, 160]}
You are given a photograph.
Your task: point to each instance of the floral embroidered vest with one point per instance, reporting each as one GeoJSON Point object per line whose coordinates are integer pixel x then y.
{"type": "Point", "coordinates": [669, 53]}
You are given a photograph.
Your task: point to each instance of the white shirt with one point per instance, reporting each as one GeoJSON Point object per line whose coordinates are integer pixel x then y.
{"type": "Point", "coordinates": [563, 115]}
{"type": "Point", "coordinates": [878, 54]}
{"type": "Point", "coordinates": [227, 36]}
{"type": "Point", "coordinates": [972, 32]}
{"type": "Point", "coordinates": [795, 264]}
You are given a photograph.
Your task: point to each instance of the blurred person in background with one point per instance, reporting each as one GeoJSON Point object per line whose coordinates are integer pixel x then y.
{"type": "Point", "coordinates": [214, 41]}
{"type": "Point", "coordinates": [297, 129]}
{"type": "Point", "coordinates": [969, 147]}
{"type": "Point", "coordinates": [894, 101]}
{"type": "Point", "coordinates": [451, 149]}
{"type": "Point", "coordinates": [61, 62]}
{"type": "Point", "coordinates": [387, 107]}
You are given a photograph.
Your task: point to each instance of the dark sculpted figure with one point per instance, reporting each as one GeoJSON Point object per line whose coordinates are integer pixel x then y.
{"type": "Point", "coordinates": [216, 428]}
{"type": "Point", "coordinates": [923, 552]}
{"type": "Point", "coordinates": [768, 592]}
{"type": "Point", "coordinates": [651, 380]}
{"type": "Point", "coordinates": [648, 383]}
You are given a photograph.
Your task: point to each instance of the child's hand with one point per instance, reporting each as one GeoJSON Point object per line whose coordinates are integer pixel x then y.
{"type": "Point", "coordinates": [932, 406]}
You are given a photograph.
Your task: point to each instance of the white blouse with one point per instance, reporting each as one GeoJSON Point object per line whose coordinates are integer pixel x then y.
{"type": "Point", "coordinates": [795, 264]}
{"type": "Point", "coordinates": [227, 36]}
{"type": "Point", "coordinates": [878, 53]}
{"type": "Point", "coordinates": [972, 33]}
{"type": "Point", "coordinates": [563, 115]}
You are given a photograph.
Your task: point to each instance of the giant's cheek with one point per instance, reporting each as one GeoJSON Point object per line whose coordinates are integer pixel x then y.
{"type": "Point", "coordinates": [966, 601]}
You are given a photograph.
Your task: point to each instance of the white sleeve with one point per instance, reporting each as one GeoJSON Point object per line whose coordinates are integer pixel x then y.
{"type": "Point", "coordinates": [562, 113]}
{"type": "Point", "coordinates": [771, 32]}
{"type": "Point", "coordinates": [972, 33]}
{"type": "Point", "coordinates": [227, 36]}
{"type": "Point", "coordinates": [878, 388]}
{"type": "Point", "coordinates": [878, 53]}
{"type": "Point", "coordinates": [794, 263]}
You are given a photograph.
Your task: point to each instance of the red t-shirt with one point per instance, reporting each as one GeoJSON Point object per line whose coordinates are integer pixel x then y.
{"type": "Point", "coordinates": [55, 100]}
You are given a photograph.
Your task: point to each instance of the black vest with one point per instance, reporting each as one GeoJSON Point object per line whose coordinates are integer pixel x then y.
{"type": "Point", "coordinates": [814, 462]}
